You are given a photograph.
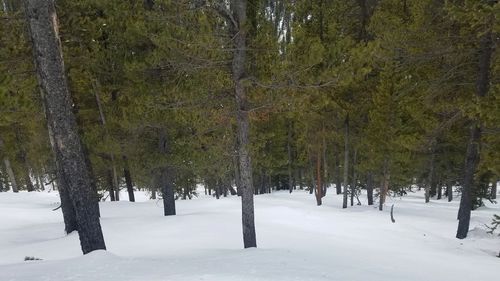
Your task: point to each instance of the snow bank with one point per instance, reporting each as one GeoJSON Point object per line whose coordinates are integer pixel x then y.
{"type": "Point", "coordinates": [297, 241]}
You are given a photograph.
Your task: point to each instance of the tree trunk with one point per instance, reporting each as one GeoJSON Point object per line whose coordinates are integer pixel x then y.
{"type": "Point", "coordinates": [472, 154]}
{"type": "Point", "coordinates": [289, 150]}
{"type": "Point", "coordinates": [439, 190]}
{"type": "Point", "coordinates": [319, 185]}
{"type": "Point", "coordinates": [67, 146]}
{"type": "Point", "coordinates": [346, 161]}
{"type": "Point", "coordinates": [353, 187]}
{"type": "Point", "coordinates": [449, 192]}
{"type": "Point", "coordinates": [237, 176]}
{"type": "Point", "coordinates": [325, 167]}
{"type": "Point", "coordinates": [116, 183]}
{"type": "Point", "coordinates": [493, 190]}
{"type": "Point", "coordinates": [165, 179]}
{"type": "Point", "coordinates": [69, 214]}
{"type": "Point", "coordinates": [430, 183]}
{"type": "Point", "coordinates": [338, 177]}
{"type": "Point", "coordinates": [369, 189]}
{"type": "Point", "coordinates": [114, 175]}
{"type": "Point", "coordinates": [10, 173]}
{"type": "Point", "coordinates": [385, 186]}
{"type": "Point", "coordinates": [111, 185]}
{"type": "Point", "coordinates": [128, 180]}
{"type": "Point", "coordinates": [239, 11]}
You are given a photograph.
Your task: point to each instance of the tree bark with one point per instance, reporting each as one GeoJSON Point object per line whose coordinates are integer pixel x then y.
{"type": "Point", "coordinates": [238, 30]}
{"type": "Point", "coordinates": [319, 185]}
{"type": "Point", "coordinates": [353, 187]}
{"type": "Point", "coordinates": [439, 190]}
{"type": "Point", "coordinates": [369, 189]}
{"type": "Point", "coordinates": [66, 143]}
{"type": "Point", "coordinates": [289, 150]}
{"type": "Point", "coordinates": [128, 179]}
{"type": "Point", "coordinates": [346, 161]}
{"type": "Point", "coordinates": [449, 192]}
{"type": "Point", "coordinates": [430, 180]}
{"type": "Point", "coordinates": [493, 190]}
{"type": "Point", "coordinates": [111, 157]}
{"type": "Point", "coordinates": [168, 193]}
{"type": "Point", "coordinates": [472, 154]}
{"type": "Point", "coordinates": [165, 178]}
{"type": "Point", "coordinates": [111, 185]}
{"type": "Point", "coordinates": [10, 173]}
{"type": "Point", "coordinates": [385, 185]}
{"type": "Point", "coordinates": [338, 177]}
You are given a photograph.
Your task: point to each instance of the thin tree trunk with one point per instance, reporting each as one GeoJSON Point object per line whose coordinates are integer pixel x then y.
{"type": "Point", "coordinates": [111, 156]}
{"type": "Point", "coordinates": [325, 166]}
{"type": "Point", "coordinates": [237, 176]}
{"type": "Point", "coordinates": [431, 180]}
{"type": "Point", "coordinates": [369, 188]}
{"type": "Point", "coordinates": [10, 173]}
{"type": "Point", "coordinates": [353, 187]}
{"type": "Point", "coordinates": [346, 161]}
{"type": "Point", "coordinates": [111, 188]}
{"type": "Point", "coordinates": [128, 179]}
{"type": "Point", "coordinates": [494, 190]}
{"type": "Point", "coordinates": [449, 191]}
{"type": "Point", "coordinates": [289, 150]}
{"type": "Point", "coordinates": [439, 190]}
{"type": "Point", "coordinates": [67, 146]}
{"type": "Point", "coordinates": [165, 180]}
{"type": "Point", "coordinates": [319, 185]}
{"type": "Point", "coordinates": [385, 185]}
{"type": "Point", "coordinates": [472, 154]}
{"type": "Point", "coordinates": [116, 183]}
{"type": "Point", "coordinates": [338, 177]}
{"type": "Point", "coordinates": [239, 13]}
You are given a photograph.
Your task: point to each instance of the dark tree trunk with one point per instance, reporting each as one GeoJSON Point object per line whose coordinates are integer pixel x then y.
{"type": "Point", "coordinates": [66, 143]}
{"type": "Point", "coordinates": [128, 180]}
{"type": "Point", "coordinates": [346, 162]}
{"type": "Point", "coordinates": [111, 188]}
{"type": "Point", "coordinates": [237, 175]}
{"type": "Point", "coordinates": [472, 154]}
{"type": "Point", "coordinates": [385, 186]}
{"type": "Point", "coordinates": [114, 185]}
{"type": "Point", "coordinates": [289, 150]}
{"type": "Point", "coordinates": [238, 30]}
{"type": "Point", "coordinates": [168, 194]}
{"type": "Point", "coordinates": [263, 181]}
{"type": "Point", "coordinates": [116, 182]}
{"type": "Point", "coordinates": [471, 162]}
{"type": "Point", "coordinates": [338, 177]}
{"type": "Point", "coordinates": [430, 184]}
{"type": "Point", "coordinates": [369, 188]}
{"type": "Point", "coordinates": [493, 190]}
{"type": "Point", "coordinates": [325, 167]}
{"type": "Point", "coordinates": [353, 187]}
{"type": "Point", "coordinates": [439, 191]}
{"type": "Point", "coordinates": [301, 183]}
{"type": "Point", "coordinates": [165, 178]}
{"type": "Point", "coordinates": [449, 192]}
{"type": "Point", "coordinates": [319, 185]}
{"type": "Point", "coordinates": [313, 179]}
{"type": "Point", "coordinates": [69, 214]}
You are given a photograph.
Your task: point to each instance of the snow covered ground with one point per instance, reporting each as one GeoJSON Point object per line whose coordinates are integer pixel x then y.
{"type": "Point", "coordinates": [297, 241]}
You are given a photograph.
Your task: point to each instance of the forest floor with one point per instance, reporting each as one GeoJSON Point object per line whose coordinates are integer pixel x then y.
{"type": "Point", "coordinates": [297, 241]}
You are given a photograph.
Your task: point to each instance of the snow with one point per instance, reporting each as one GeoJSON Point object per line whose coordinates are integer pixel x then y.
{"type": "Point", "coordinates": [297, 241]}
